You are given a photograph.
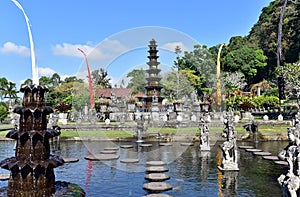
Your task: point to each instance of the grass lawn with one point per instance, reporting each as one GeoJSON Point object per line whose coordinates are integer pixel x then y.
{"type": "Point", "coordinates": [131, 133]}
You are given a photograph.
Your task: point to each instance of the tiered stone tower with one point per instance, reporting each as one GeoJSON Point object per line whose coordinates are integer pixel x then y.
{"type": "Point", "coordinates": [32, 173]}
{"type": "Point", "coordinates": [153, 86]}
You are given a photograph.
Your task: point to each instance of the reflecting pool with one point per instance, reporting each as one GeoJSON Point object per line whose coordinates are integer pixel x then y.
{"type": "Point", "coordinates": [192, 173]}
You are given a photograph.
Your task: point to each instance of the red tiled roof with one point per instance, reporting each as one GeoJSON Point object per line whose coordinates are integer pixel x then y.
{"type": "Point", "coordinates": [140, 95]}
{"type": "Point", "coordinates": [119, 92]}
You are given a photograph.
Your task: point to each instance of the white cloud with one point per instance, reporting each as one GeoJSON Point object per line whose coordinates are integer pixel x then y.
{"type": "Point", "coordinates": [45, 71]}
{"type": "Point", "coordinates": [105, 50]}
{"type": "Point", "coordinates": [172, 45]}
{"type": "Point", "coordinates": [10, 47]}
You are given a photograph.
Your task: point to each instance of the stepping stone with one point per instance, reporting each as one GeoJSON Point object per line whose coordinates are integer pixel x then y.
{"type": "Point", "coordinates": [246, 147]}
{"type": "Point", "coordinates": [273, 158]}
{"type": "Point", "coordinates": [127, 146]}
{"type": "Point", "coordinates": [253, 150]}
{"type": "Point", "coordinates": [157, 186]}
{"type": "Point", "coordinates": [157, 169]}
{"type": "Point", "coordinates": [111, 148]}
{"type": "Point", "coordinates": [157, 195]}
{"type": "Point", "coordinates": [261, 153]}
{"type": "Point", "coordinates": [129, 160]}
{"type": "Point", "coordinates": [187, 144]}
{"type": "Point", "coordinates": [157, 177]}
{"type": "Point", "coordinates": [108, 152]}
{"type": "Point", "coordinates": [156, 163]}
{"type": "Point", "coordinates": [4, 177]}
{"type": "Point", "coordinates": [285, 163]}
{"type": "Point", "coordinates": [165, 144]}
{"type": "Point", "coordinates": [98, 157]}
{"type": "Point", "coordinates": [145, 145]}
{"type": "Point", "coordinates": [70, 160]}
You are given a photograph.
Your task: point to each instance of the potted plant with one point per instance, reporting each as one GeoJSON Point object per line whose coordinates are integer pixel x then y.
{"type": "Point", "coordinates": [63, 110]}
{"type": "Point", "coordinates": [131, 104]}
{"type": "Point", "coordinates": [102, 104]}
{"type": "Point", "coordinates": [178, 105]}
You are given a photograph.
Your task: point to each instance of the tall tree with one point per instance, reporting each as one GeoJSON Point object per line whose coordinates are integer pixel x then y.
{"type": "Point", "coordinates": [137, 80]}
{"type": "Point", "coordinates": [176, 85]}
{"type": "Point", "coordinates": [100, 77]}
{"type": "Point", "coordinates": [247, 61]}
{"type": "Point", "coordinates": [55, 78]}
{"type": "Point", "coordinates": [3, 85]}
{"type": "Point", "coordinates": [201, 61]}
{"type": "Point", "coordinates": [27, 82]}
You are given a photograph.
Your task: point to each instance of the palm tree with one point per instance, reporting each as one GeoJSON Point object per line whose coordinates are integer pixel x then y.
{"type": "Point", "coordinates": [10, 91]}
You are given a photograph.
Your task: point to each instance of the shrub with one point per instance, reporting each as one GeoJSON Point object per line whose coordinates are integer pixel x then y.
{"type": "Point", "coordinates": [3, 111]}
{"type": "Point", "coordinates": [266, 101]}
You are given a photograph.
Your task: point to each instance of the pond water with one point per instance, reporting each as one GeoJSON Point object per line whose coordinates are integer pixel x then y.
{"type": "Point", "coordinates": [192, 173]}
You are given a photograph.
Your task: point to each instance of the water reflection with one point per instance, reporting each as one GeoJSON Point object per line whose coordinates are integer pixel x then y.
{"type": "Point", "coordinates": [193, 173]}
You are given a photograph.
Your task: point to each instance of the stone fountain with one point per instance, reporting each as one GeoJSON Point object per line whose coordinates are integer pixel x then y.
{"type": "Point", "coordinates": [32, 173]}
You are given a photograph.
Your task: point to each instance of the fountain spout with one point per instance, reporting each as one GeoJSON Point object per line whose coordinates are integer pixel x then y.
{"type": "Point", "coordinates": [32, 167]}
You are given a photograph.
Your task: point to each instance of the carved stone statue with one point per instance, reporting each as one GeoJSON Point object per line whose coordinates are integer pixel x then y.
{"type": "Point", "coordinates": [290, 182]}
{"type": "Point", "coordinates": [229, 148]}
{"type": "Point", "coordinates": [204, 134]}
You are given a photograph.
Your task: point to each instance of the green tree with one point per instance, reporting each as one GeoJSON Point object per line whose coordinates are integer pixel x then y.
{"type": "Point", "coordinates": [137, 80]}
{"type": "Point", "coordinates": [291, 76]}
{"type": "Point", "coordinates": [266, 33]}
{"type": "Point", "coordinates": [55, 78]}
{"type": "Point", "coordinates": [247, 61]}
{"type": "Point", "coordinates": [27, 82]}
{"type": "Point", "coordinates": [9, 91]}
{"type": "Point", "coordinates": [72, 79]}
{"type": "Point", "coordinates": [201, 61]}
{"type": "Point", "coordinates": [3, 85]}
{"type": "Point", "coordinates": [3, 111]}
{"type": "Point", "coordinates": [176, 85]}
{"type": "Point", "coordinates": [100, 78]}
{"type": "Point", "coordinates": [232, 82]}
{"type": "Point", "coordinates": [45, 81]}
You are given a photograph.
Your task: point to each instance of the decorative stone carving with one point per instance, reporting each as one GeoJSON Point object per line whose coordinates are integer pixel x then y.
{"type": "Point", "coordinates": [290, 182]}
{"type": "Point", "coordinates": [229, 148]}
{"type": "Point", "coordinates": [204, 133]}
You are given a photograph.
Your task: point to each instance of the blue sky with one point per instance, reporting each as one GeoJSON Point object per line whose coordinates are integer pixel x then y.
{"type": "Point", "coordinates": [114, 34]}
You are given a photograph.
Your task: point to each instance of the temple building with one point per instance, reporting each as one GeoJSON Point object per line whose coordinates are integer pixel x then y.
{"type": "Point", "coordinates": [153, 87]}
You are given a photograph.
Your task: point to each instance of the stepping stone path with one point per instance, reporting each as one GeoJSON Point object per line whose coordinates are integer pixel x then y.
{"type": "Point", "coordinates": [187, 144]}
{"type": "Point", "coordinates": [273, 158]}
{"type": "Point", "coordinates": [145, 145]}
{"type": "Point", "coordinates": [261, 153]}
{"type": "Point", "coordinates": [156, 163]}
{"type": "Point", "coordinates": [157, 186]}
{"type": "Point", "coordinates": [4, 177]}
{"type": "Point", "coordinates": [281, 163]}
{"type": "Point", "coordinates": [165, 144]}
{"type": "Point", "coordinates": [157, 195]}
{"type": "Point", "coordinates": [108, 152]}
{"type": "Point", "coordinates": [129, 160]}
{"type": "Point", "coordinates": [111, 148]}
{"type": "Point", "coordinates": [98, 157]}
{"type": "Point", "coordinates": [71, 160]}
{"type": "Point", "coordinates": [246, 147]}
{"type": "Point", "coordinates": [157, 177]}
{"type": "Point", "coordinates": [127, 146]}
{"type": "Point", "coordinates": [253, 150]}
{"type": "Point", "coordinates": [157, 169]}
